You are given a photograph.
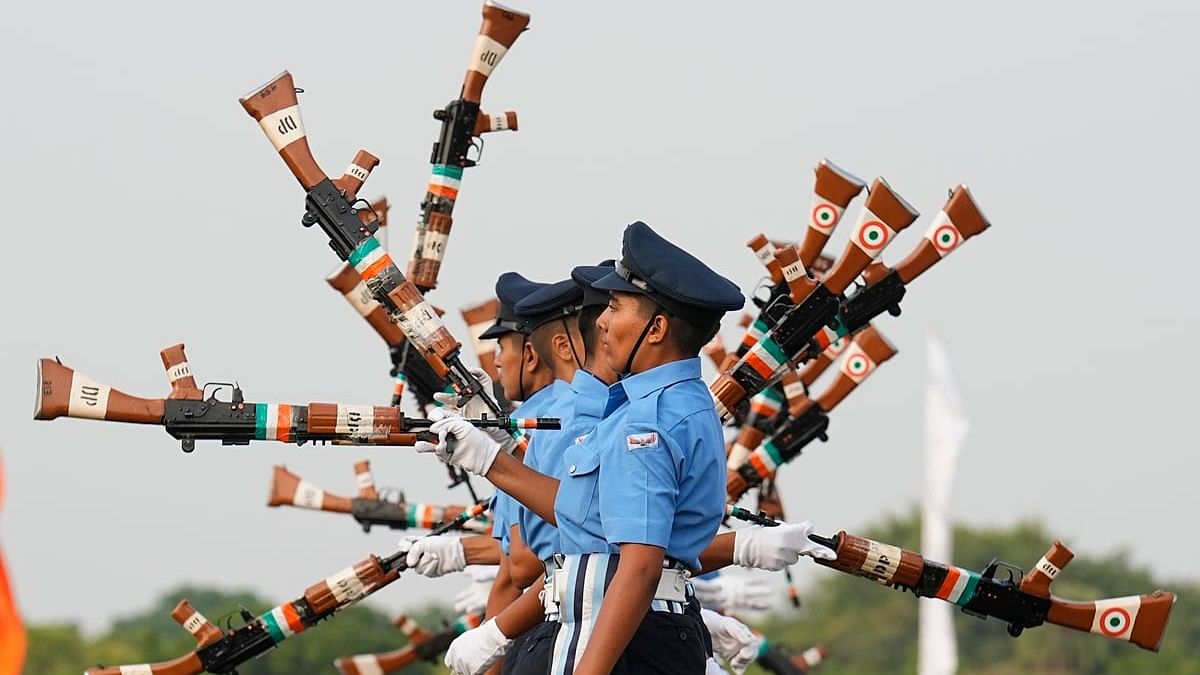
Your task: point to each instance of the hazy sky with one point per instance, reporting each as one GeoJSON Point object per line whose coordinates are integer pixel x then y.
{"type": "Point", "coordinates": [146, 208]}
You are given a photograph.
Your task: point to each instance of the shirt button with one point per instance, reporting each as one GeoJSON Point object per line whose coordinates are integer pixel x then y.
{"type": "Point", "coordinates": [572, 469]}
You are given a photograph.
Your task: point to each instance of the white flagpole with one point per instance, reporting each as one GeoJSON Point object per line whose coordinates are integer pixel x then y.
{"type": "Point", "coordinates": [945, 429]}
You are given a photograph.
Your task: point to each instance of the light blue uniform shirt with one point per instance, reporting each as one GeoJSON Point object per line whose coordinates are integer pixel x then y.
{"type": "Point", "coordinates": [504, 507]}
{"type": "Point", "coordinates": [651, 472]}
{"type": "Point", "coordinates": [579, 405]}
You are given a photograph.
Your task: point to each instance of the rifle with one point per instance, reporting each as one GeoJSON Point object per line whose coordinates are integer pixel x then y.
{"type": "Point", "coordinates": [422, 646]}
{"type": "Point", "coordinates": [222, 652]}
{"type": "Point", "coordinates": [796, 319]}
{"type": "Point", "coordinates": [1002, 590]}
{"type": "Point", "coordinates": [368, 507]}
{"type": "Point", "coordinates": [189, 416]}
{"type": "Point", "coordinates": [462, 126]}
{"type": "Point", "coordinates": [807, 420]}
{"type": "Point", "coordinates": [277, 110]}
{"type": "Point", "coordinates": [778, 662]}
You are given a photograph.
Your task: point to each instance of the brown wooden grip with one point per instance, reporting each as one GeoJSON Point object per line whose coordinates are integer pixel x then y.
{"type": "Point", "coordinates": [356, 173]}
{"type": "Point", "coordinates": [411, 629]}
{"type": "Point", "coordinates": [63, 392]}
{"type": "Point", "coordinates": [800, 285]}
{"type": "Point", "coordinates": [881, 562]}
{"type": "Point", "coordinates": [1038, 579]}
{"type": "Point", "coordinates": [833, 190]}
{"type": "Point", "coordinates": [485, 123]}
{"type": "Point", "coordinates": [195, 623]}
{"type": "Point", "coordinates": [179, 374]}
{"type": "Point", "coordinates": [366, 482]}
{"type": "Point", "coordinates": [348, 586]}
{"type": "Point", "coordinates": [346, 280]}
{"type": "Point", "coordinates": [884, 215]}
{"type": "Point", "coordinates": [735, 485]}
{"type": "Point", "coordinates": [959, 220]}
{"type": "Point", "coordinates": [500, 29]}
{"type": "Point", "coordinates": [867, 351]}
{"type": "Point", "coordinates": [184, 665]}
{"type": "Point", "coordinates": [277, 110]}
{"type": "Point", "coordinates": [715, 350]}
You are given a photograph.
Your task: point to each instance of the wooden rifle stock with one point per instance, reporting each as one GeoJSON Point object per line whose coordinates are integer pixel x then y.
{"type": "Point", "coordinates": [423, 646]}
{"type": "Point", "coordinates": [478, 318]}
{"type": "Point", "coordinates": [1001, 591]}
{"type": "Point", "coordinates": [833, 191]}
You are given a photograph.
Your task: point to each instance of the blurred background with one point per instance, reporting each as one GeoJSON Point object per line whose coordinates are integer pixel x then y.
{"type": "Point", "coordinates": [146, 208]}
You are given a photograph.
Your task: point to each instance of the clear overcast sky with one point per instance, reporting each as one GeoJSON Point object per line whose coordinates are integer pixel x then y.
{"type": "Point", "coordinates": [144, 208]}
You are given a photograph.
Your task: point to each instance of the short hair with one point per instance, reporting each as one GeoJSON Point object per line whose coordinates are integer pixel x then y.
{"type": "Point", "coordinates": [687, 333]}
{"type": "Point", "coordinates": [587, 326]}
{"type": "Point", "coordinates": [542, 337]}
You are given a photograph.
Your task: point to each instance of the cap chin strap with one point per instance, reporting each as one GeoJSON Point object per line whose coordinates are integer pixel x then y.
{"type": "Point", "coordinates": [571, 341]}
{"type": "Point", "coordinates": [638, 345]}
{"type": "Point", "coordinates": [521, 370]}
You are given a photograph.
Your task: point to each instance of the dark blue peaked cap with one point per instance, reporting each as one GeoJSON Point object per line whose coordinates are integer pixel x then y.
{"type": "Point", "coordinates": [552, 301]}
{"type": "Point", "coordinates": [671, 277]}
{"type": "Point", "coordinates": [586, 275]}
{"type": "Point", "coordinates": [511, 288]}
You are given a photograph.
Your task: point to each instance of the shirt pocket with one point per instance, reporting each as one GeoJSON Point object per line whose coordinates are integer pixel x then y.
{"type": "Point", "coordinates": [581, 475]}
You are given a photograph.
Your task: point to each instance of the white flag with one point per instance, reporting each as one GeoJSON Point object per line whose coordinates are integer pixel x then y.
{"type": "Point", "coordinates": [945, 429]}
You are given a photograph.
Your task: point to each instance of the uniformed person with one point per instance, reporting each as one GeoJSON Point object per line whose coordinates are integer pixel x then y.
{"type": "Point", "coordinates": [644, 492]}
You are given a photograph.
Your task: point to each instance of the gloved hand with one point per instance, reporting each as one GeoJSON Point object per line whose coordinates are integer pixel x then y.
{"type": "Point", "coordinates": [711, 667]}
{"type": "Point", "coordinates": [773, 548]}
{"type": "Point", "coordinates": [475, 407]}
{"type": "Point", "coordinates": [732, 639]}
{"type": "Point", "coordinates": [434, 556]}
{"type": "Point", "coordinates": [474, 597]}
{"type": "Point", "coordinates": [473, 652]}
{"type": "Point", "coordinates": [734, 593]}
{"type": "Point", "coordinates": [472, 449]}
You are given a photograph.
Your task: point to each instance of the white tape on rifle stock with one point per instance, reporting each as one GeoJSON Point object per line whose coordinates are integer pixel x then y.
{"type": "Point", "coordinates": [283, 127]}
{"type": "Point", "coordinates": [487, 55]}
{"type": "Point", "coordinates": [89, 398]}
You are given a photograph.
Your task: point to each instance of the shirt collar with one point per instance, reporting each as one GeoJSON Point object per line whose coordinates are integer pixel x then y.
{"type": "Point", "coordinates": [649, 381]}
{"type": "Point", "coordinates": [539, 397]}
{"type": "Point", "coordinates": [583, 382]}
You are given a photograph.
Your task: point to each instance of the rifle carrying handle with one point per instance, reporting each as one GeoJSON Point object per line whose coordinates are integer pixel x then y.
{"type": "Point", "coordinates": [179, 373]}
{"type": "Point", "coordinates": [884, 215]}
{"type": "Point", "coordinates": [277, 110]}
{"type": "Point", "coordinates": [195, 623]}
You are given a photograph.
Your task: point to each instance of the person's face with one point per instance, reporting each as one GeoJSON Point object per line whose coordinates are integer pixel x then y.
{"type": "Point", "coordinates": [508, 364]}
{"type": "Point", "coordinates": [620, 325]}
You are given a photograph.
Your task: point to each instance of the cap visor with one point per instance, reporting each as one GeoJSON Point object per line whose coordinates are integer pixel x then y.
{"type": "Point", "coordinates": [613, 282]}
{"type": "Point", "coordinates": [495, 331]}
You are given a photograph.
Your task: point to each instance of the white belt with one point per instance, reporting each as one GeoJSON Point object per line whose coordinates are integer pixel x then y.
{"type": "Point", "coordinates": [672, 587]}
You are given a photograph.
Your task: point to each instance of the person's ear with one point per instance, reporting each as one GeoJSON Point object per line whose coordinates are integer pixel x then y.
{"type": "Point", "coordinates": [658, 331]}
{"type": "Point", "coordinates": [529, 357]}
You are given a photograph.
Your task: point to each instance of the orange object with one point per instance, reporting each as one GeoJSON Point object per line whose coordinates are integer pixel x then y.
{"type": "Point", "coordinates": [12, 631]}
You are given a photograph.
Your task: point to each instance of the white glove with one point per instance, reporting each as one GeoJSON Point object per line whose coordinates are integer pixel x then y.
{"type": "Point", "coordinates": [773, 548]}
{"type": "Point", "coordinates": [473, 652]}
{"type": "Point", "coordinates": [475, 407]}
{"type": "Point", "coordinates": [711, 667]}
{"type": "Point", "coordinates": [474, 597]}
{"type": "Point", "coordinates": [434, 556]}
{"type": "Point", "coordinates": [730, 593]}
{"type": "Point", "coordinates": [472, 449]}
{"type": "Point", "coordinates": [732, 639]}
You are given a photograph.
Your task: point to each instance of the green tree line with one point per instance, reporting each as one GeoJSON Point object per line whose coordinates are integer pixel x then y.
{"type": "Point", "coordinates": [865, 628]}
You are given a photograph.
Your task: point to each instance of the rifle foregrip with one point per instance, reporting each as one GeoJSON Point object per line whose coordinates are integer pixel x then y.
{"type": "Point", "coordinates": [884, 215]}
{"type": "Point", "coordinates": [179, 374]}
{"type": "Point", "coordinates": [195, 623]}
{"type": "Point", "coordinates": [277, 110]}
{"type": "Point", "coordinates": [874, 560]}
{"type": "Point", "coordinates": [833, 191]}
{"type": "Point", "coordinates": [184, 665]}
{"type": "Point", "coordinates": [348, 586]}
{"type": "Point", "coordinates": [356, 173]}
{"type": "Point", "coordinates": [959, 220]}
{"type": "Point", "coordinates": [64, 392]}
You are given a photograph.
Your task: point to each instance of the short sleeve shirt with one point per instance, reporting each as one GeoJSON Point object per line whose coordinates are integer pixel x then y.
{"type": "Point", "coordinates": [504, 507]}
